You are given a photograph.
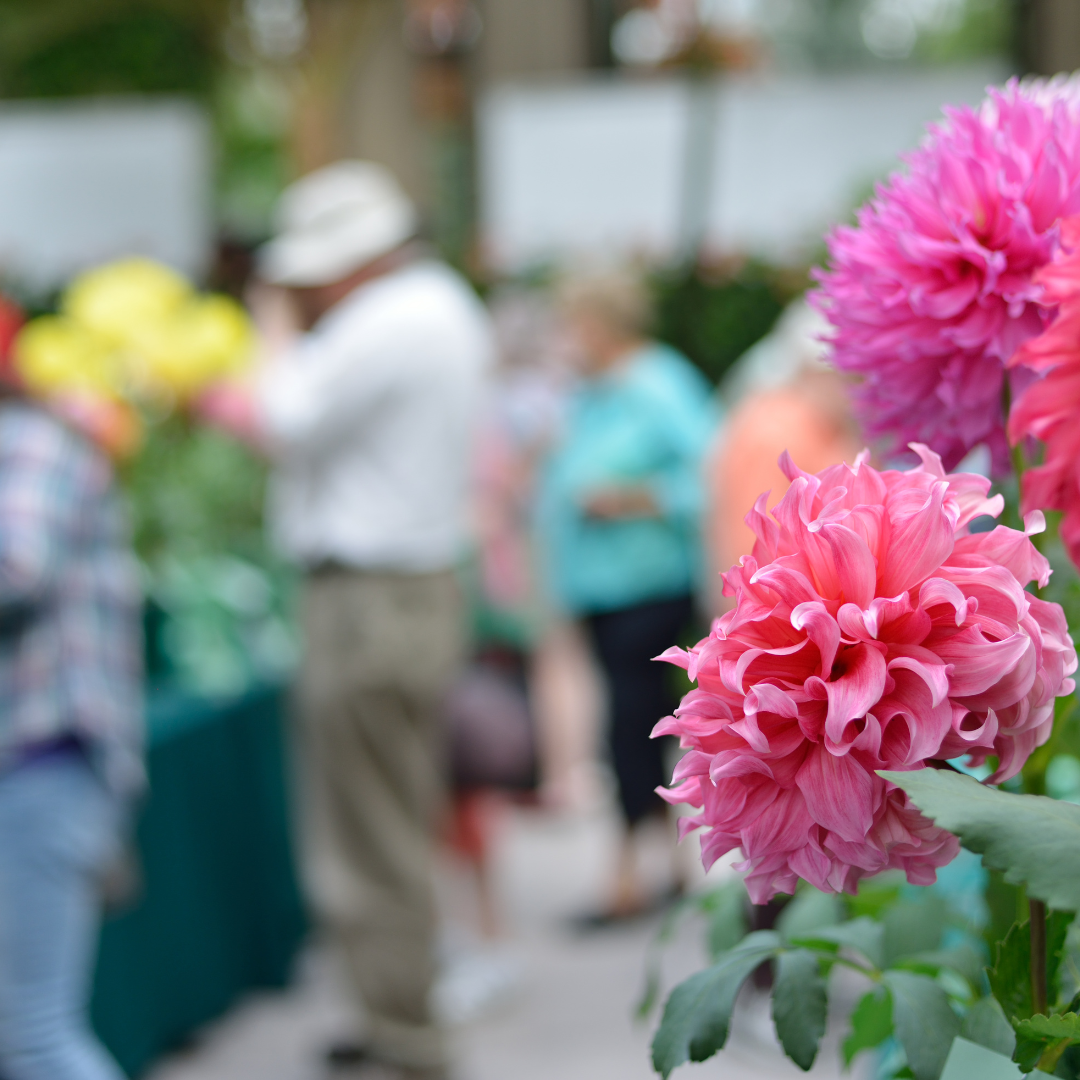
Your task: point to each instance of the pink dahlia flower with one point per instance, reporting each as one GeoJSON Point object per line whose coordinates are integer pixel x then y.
{"type": "Point", "coordinates": [1050, 408]}
{"type": "Point", "coordinates": [871, 631]}
{"type": "Point", "coordinates": [932, 292]}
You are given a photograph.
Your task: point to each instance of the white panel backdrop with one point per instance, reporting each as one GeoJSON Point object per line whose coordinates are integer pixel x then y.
{"type": "Point", "coordinates": [599, 167]}
{"type": "Point", "coordinates": [84, 182]}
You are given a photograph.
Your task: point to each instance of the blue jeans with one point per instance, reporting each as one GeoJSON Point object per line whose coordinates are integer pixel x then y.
{"type": "Point", "coordinates": [59, 827]}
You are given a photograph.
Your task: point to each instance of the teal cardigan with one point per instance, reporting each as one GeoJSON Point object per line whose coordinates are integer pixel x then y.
{"type": "Point", "coordinates": [648, 422]}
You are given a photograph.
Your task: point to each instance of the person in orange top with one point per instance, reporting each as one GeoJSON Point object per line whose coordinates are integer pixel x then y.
{"type": "Point", "coordinates": [783, 396]}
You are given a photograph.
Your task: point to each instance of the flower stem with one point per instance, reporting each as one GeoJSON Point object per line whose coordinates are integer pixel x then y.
{"type": "Point", "coordinates": [1037, 914]}
{"type": "Point", "coordinates": [1051, 1056]}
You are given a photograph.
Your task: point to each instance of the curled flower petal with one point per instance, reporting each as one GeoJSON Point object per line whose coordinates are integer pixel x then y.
{"type": "Point", "coordinates": [856, 690]}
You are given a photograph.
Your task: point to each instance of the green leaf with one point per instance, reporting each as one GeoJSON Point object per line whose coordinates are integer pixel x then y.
{"type": "Point", "coordinates": [725, 910]}
{"type": "Point", "coordinates": [1057, 929]}
{"type": "Point", "coordinates": [1032, 1050]}
{"type": "Point", "coordinates": [876, 894]}
{"type": "Point", "coordinates": [1041, 1040]}
{"type": "Point", "coordinates": [1065, 1026]}
{"type": "Point", "coordinates": [1045, 1035]}
{"type": "Point", "coordinates": [962, 959]}
{"type": "Point", "coordinates": [969, 1061]}
{"type": "Point", "coordinates": [799, 1005]}
{"type": "Point", "coordinates": [698, 1011]}
{"type": "Point", "coordinates": [914, 927]}
{"type": "Point", "coordinates": [871, 1023]}
{"type": "Point", "coordinates": [1010, 977]}
{"type": "Point", "coordinates": [1034, 840]}
{"type": "Point", "coordinates": [809, 910]}
{"type": "Point", "coordinates": [863, 935]}
{"type": "Point", "coordinates": [924, 1021]}
{"type": "Point", "coordinates": [986, 1024]}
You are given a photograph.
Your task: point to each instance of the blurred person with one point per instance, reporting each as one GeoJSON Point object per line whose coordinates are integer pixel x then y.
{"type": "Point", "coordinates": [620, 505]}
{"type": "Point", "coordinates": [368, 419]}
{"type": "Point", "coordinates": [70, 731]}
{"type": "Point", "coordinates": [782, 395]}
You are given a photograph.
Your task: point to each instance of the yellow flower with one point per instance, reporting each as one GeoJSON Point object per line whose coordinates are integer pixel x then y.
{"type": "Point", "coordinates": [205, 340]}
{"type": "Point", "coordinates": [134, 331]}
{"type": "Point", "coordinates": [54, 354]}
{"type": "Point", "coordinates": [116, 299]}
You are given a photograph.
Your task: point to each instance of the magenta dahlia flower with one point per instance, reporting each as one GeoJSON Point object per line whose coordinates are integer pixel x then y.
{"type": "Point", "coordinates": [1049, 409]}
{"type": "Point", "coordinates": [932, 292]}
{"type": "Point", "coordinates": [871, 631]}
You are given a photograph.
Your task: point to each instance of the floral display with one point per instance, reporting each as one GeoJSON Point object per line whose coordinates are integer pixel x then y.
{"type": "Point", "coordinates": [934, 289]}
{"type": "Point", "coordinates": [883, 644]}
{"type": "Point", "coordinates": [128, 334]}
{"type": "Point", "coordinates": [872, 630]}
{"type": "Point", "coordinates": [1049, 409]}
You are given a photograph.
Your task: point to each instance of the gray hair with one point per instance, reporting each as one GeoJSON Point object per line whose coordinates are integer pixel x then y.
{"type": "Point", "coordinates": [619, 297]}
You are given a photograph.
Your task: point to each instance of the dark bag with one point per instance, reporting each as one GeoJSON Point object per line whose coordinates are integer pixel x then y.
{"type": "Point", "coordinates": [490, 732]}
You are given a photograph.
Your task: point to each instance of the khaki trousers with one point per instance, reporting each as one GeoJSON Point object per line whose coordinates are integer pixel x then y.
{"type": "Point", "coordinates": [381, 650]}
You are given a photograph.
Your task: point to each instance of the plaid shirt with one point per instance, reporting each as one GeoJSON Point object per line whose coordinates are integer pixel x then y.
{"type": "Point", "coordinates": [70, 604]}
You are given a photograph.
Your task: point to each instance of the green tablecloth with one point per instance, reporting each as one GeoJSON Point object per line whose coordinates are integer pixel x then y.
{"type": "Point", "coordinates": [218, 911]}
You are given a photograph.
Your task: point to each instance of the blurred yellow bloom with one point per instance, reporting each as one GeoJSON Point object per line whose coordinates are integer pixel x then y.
{"type": "Point", "coordinates": [134, 329]}
{"type": "Point", "coordinates": [114, 299]}
{"type": "Point", "coordinates": [204, 341]}
{"type": "Point", "coordinates": [55, 354]}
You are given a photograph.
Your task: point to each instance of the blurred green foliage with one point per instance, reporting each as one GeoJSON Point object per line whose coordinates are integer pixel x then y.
{"type": "Point", "coordinates": [220, 605]}
{"type": "Point", "coordinates": [251, 116]}
{"type": "Point", "coordinates": [979, 29]}
{"type": "Point", "coordinates": [715, 316]}
{"type": "Point", "coordinates": [194, 491]}
{"type": "Point", "coordinates": [831, 34]}
{"type": "Point", "coordinates": [132, 50]}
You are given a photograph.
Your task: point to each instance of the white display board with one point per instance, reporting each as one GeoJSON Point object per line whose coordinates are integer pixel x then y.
{"type": "Point", "coordinates": [81, 183]}
{"type": "Point", "coordinates": [600, 167]}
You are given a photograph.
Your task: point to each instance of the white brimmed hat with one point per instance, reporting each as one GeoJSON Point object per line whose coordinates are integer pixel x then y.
{"type": "Point", "coordinates": [334, 221]}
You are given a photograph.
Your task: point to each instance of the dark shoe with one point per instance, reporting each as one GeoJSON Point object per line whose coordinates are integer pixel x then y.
{"type": "Point", "coordinates": [348, 1055]}
{"type": "Point", "coordinates": [358, 1057]}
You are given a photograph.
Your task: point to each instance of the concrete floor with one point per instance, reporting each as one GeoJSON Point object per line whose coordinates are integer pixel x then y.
{"type": "Point", "coordinates": [570, 1018]}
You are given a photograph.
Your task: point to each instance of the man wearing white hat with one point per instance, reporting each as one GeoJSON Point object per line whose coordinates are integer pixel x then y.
{"type": "Point", "coordinates": [368, 419]}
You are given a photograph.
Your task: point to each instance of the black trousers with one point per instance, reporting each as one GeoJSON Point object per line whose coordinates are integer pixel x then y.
{"type": "Point", "coordinates": [640, 694]}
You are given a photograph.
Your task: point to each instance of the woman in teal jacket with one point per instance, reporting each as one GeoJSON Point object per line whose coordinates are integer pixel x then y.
{"type": "Point", "coordinates": [619, 518]}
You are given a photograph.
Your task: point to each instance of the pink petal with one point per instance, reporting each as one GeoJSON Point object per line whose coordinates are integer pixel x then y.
{"type": "Point", "coordinates": [856, 567]}
{"type": "Point", "coordinates": [977, 663]}
{"type": "Point", "coordinates": [926, 665]}
{"type": "Point", "coordinates": [921, 539]}
{"type": "Point", "coordinates": [937, 590]}
{"type": "Point", "coordinates": [732, 763]}
{"type": "Point", "coordinates": [856, 691]}
{"type": "Point", "coordinates": [781, 826]}
{"type": "Point", "coordinates": [822, 630]}
{"type": "Point", "coordinates": [838, 792]}
{"type": "Point", "coordinates": [1011, 549]}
